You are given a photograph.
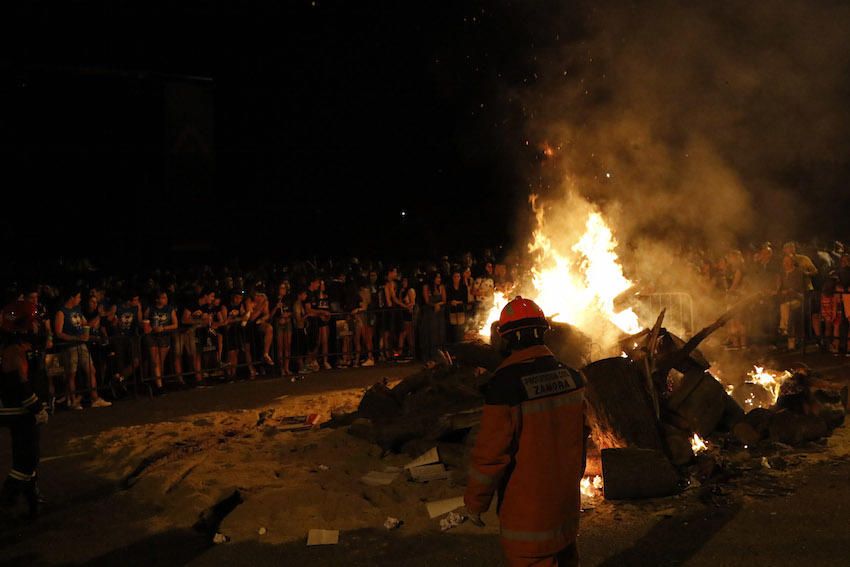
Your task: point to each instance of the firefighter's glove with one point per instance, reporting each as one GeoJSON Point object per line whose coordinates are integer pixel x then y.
{"type": "Point", "coordinates": [41, 417]}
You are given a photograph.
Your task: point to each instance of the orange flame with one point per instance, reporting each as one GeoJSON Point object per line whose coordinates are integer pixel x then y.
{"type": "Point", "coordinates": [770, 380]}
{"type": "Point", "coordinates": [591, 487]}
{"type": "Point", "coordinates": [576, 281]}
{"type": "Point", "coordinates": [697, 444]}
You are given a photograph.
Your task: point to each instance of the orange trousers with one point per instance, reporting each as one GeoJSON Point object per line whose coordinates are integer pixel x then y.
{"type": "Point", "coordinates": [567, 557]}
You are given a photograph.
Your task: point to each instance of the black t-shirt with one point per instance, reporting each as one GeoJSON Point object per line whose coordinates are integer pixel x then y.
{"type": "Point", "coordinates": [126, 321]}
{"type": "Point", "coordinates": [459, 294]}
{"type": "Point", "coordinates": [352, 296]}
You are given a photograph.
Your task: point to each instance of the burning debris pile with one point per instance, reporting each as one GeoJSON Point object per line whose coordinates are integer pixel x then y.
{"type": "Point", "coordinates": [658, 416]}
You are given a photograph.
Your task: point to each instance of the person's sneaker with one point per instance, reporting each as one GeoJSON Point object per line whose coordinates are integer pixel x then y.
{"type": "Point", "coordinates": [369, 362]}
{"type": "Point", "coordinates": [76, 406]}
{"type": "Point", "coordinates": [100, 403]}
{"type": "Point", "coordinates": [327, 366]}
{"type": "Point", "coordinates": [61, 400]}
{"type": "Point", "coordinates": [314, 366]}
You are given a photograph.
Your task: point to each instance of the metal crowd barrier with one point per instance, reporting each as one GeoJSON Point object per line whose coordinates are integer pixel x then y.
{"type": "Point", "coordinates": [680, 310]}
{"type": "Point", "coordinates": [342, 329]}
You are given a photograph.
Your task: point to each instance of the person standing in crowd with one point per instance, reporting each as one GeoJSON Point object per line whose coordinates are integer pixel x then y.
{"type": "Point", "coordinates": [235, 318]}
{"type": "Point", "coordinates": [264, 332]}
{"type": "Point", "coordinates": [362, 329]}
{"type": "Point", "coordinates": [533, 430]}
{"type": "Point", "coordinates": [161, 323]}
{"type": "Point", "coordinates": [407, 296]}
{"type": "Point", "coordinates": [825, 323]}
{"type": "Point", "coordinates": [41, 381]}
{"type": "Point", "coordinates": [22, 411]}
{"type": "Point", "coordinates": [313, 323]}
{"type": "Point", "coordinates": [126, 326]}
{"type": "Point", "coordinates": [791, 288]}
{"type": "Point", "coordinates": [373, 315]}
{"type": "Point", "coordinates": [196, 318]}
{"type": "Point", "coordinates": [73, 331]}
{"type": "Point", "coordinates": [341, 295]}
{"type": "Point", "coordinates": [97, 343]}
{"type": "Point", "coordinates": [322, 311]}
{"type": "Point", "coordinates": [391, 319]}
{"type": "Point", "coordinates": [842, 304]}
{"type": "Point", "coordinates": [433, 317]}
{"type": "Point", "coordinates": [457, 296]}
{"type": "Point", "coordinates": [281, 315]}
{"type": "Point", "coordinates": [299, 333]}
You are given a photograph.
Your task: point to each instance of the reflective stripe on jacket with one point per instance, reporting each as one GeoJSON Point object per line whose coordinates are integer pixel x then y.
{"type": "Point", "coordinates": [530, 449]}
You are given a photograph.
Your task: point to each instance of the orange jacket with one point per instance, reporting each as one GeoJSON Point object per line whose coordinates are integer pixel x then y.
{"type": "Point", "coordinates": [531, 449]}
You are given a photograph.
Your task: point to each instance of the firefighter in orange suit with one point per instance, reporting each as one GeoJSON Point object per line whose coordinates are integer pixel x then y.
{"type": "Point", "coordinates": [531, 446]}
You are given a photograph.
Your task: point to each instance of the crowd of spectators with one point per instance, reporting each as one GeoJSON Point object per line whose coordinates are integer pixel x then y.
{"type": "Point", "coordinates": [792, 296]}
{"type": "Point", "coordinates": [104, 333]}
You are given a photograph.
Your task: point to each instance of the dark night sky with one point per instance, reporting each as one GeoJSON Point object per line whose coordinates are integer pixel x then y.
{"type": "Point", "coordinates": [134, 130]}
{"type": "Point", "coordinates": [318, 125]}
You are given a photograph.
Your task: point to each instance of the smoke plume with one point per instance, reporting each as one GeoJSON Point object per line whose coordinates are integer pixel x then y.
{"type": "Point", "coordinates": [691, 124]}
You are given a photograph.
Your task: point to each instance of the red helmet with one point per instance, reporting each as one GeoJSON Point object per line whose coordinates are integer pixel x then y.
{"type": "Point", "coordinates": [19, 317]}
{"type": "Point", "coordinates": [519, 314]}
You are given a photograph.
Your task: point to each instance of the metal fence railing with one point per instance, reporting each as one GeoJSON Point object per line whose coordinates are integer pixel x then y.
{"type": "Point", "coordinates": [226, 352]}
{"type": "Point", "coordinates": [679, 306]}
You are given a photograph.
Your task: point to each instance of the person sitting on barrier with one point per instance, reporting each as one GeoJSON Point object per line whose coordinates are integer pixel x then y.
{"type": "Point", "coordinates": [72, 330]}
{"type": "Point", "coordinates": [160, 321]}
{"type": "Point", "coordinates": [125, 325]}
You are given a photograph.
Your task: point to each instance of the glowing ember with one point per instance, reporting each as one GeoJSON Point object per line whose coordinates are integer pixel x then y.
{"type": "Point", "coordinates": [591, 487]}
{"type": "Point", "coordinates": [576, 281]}
{"type": "Point", "coordinates": [697, 444]}
{"type": "Point", "coordinates": [771, 381]}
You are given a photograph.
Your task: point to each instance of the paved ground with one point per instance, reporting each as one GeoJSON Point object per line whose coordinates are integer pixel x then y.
{"type": "Point", "coordinates": [806, 527]}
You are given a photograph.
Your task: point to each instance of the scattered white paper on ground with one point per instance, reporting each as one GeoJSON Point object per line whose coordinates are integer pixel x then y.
{"type": "Point", "coordinates": [377, 478]}
{"type": "Point", "coordinates": [429, 472]}
{"type": "Point", "coordinates": [453, 520]}
{"type": "Point", "coordinates": [323, 537]}
{"type": "Point", "coordinates": [429, 458]}
{"type": "Point", "coordinates": [392, 523]}
{"type": "Point", "coordinates": [440, 507]}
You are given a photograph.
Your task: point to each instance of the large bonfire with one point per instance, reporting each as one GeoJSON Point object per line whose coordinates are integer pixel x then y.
{"type": "Point", "coordinates": [576, 274]}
